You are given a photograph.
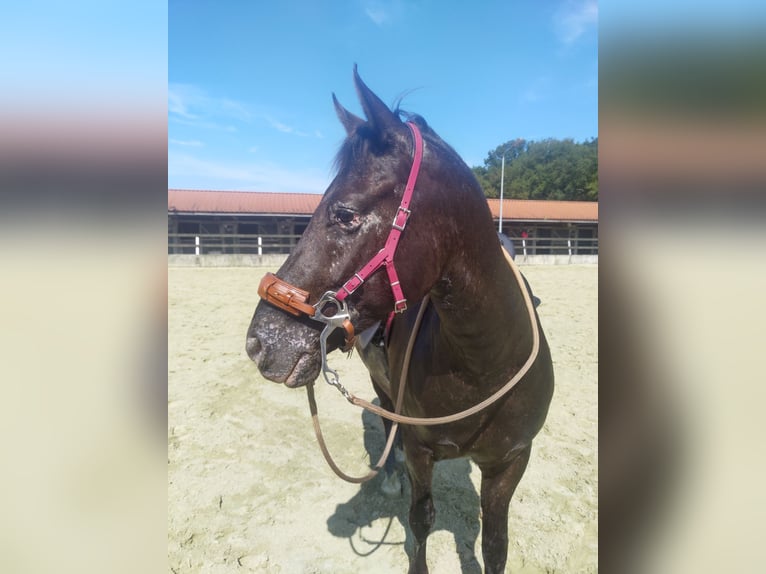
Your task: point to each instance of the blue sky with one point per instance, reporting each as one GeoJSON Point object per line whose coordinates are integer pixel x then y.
{"type": "Point", "coordinates": [250, 83]}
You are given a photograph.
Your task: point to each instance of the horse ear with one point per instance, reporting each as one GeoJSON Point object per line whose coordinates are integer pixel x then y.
{"type": "Point", "coordinates": [378, 113]}
{"type": "Point", "coordinates": [349, 120]}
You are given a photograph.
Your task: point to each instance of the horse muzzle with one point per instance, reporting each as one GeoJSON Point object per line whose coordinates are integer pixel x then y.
{"type": "Point", "coordinates": [285, 351]}
{"type": "Point", "coordinates": [285, 348]}
{"type": "Point", "coordinates": [328, 310]}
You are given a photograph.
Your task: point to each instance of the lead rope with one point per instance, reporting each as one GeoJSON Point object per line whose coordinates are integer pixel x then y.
{"type": "Point", "coordinates": [427, 421]}
{"type": "Point", "coordinates": [391, 434]}
{"type": "Point", "coordinates": [486, 402]}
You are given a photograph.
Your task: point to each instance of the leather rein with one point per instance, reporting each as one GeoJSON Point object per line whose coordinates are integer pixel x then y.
{"type": "Point", "coordinates": [332, 310]}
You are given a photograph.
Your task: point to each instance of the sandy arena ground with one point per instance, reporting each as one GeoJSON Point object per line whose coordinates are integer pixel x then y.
{"type": "Point", "coordinates": [249, 491]}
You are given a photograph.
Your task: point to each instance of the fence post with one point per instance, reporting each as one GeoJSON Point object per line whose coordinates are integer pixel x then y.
{"type": "Point", "coordinates": [260, 245]}
{"type": "Point", "coordinates": [196, 245]}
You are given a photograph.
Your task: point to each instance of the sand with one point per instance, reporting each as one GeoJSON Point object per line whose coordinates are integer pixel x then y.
{"type": "Point", "coordinates": [249, 491]}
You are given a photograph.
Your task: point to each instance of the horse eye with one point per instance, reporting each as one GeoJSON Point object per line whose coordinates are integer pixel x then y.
{"type": "Point", "coordinates": [345, 216]}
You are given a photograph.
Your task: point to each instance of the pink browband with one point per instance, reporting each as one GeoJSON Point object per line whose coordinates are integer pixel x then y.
{"type": "Point", "coordinates": [386, 255]}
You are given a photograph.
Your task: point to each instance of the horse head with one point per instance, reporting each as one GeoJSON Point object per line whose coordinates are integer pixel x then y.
{"type": "Point", "coordinates": [351, 226]}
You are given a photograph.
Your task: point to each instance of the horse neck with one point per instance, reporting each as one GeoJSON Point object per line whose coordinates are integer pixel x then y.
{"type": "Point", "coordinates": [482, 310]}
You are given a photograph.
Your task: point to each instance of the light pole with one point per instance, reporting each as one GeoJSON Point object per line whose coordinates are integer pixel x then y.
{"type": "Point", "coordinates": [502, 180]}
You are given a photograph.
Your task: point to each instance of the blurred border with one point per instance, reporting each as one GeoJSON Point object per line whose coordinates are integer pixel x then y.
{"type": "Point", "coordinates": [82, 299]}
{"type": "Point", "coordinates": [682, 128]}
{"type": "Point", "coordinates": [83, 184]}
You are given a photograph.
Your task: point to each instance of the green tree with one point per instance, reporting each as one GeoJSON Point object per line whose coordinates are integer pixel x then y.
{"type": "Point", "coordinates": [546, 169]}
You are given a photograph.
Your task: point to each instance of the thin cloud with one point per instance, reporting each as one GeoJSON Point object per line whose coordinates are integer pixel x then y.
{"type": "Point", "coordinates": [279, 126]}
{"type": "Point", "coordinates": [236, 109]}
{"type": "Point", "coordinates": [377, 14]}
{"type": "Point", "coordinates": [531, 95]}
{"type": "Point", "coordinates": [287, 129]}
{"type": "Point", "coordinates": [384, 13]}
{"type": "Point", "coordinates": [177, 106]}
{"type": "Point", "coordinates": [192, 105]}
{"type": "Point", "coordinates": [574, 18]}
{"type": "Point", "coordinates": [537, 91]}
{"type": "Point", "coordinates": [198, 123]}
{"type": "Point", "coordinates": [187, 143]}
{"type": "Point", "coordinates": [188, 170]}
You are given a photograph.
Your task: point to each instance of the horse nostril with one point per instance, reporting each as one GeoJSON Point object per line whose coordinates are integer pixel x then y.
{"type": "Point", "coordinates": [253, 347]}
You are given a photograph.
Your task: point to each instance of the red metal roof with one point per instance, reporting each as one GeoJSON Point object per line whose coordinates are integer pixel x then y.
{"type": "Point", "coordinates": [540, 210]}
{"type": "Point", "coordinates": [209, 201]}
{"type": "Point", "coordinates": [240, 202]}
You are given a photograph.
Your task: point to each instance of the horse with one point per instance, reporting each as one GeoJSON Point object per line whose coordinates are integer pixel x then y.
{"type": "Point", "coordinates": [447, 275]}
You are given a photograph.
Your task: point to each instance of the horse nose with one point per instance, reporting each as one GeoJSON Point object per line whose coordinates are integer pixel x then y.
{"type": "Point", "coordinates": [253, 348]}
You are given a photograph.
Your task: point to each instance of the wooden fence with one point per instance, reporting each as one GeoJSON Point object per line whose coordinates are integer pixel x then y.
{"type": "Point", "coordinates": [213, 244]}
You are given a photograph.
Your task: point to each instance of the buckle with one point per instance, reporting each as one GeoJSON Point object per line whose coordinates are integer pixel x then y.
{"type": "Point", "coordinates": [401, 210]}
{"type": "Point", "coordinates": [400, 306]}
{"type": "Point", "coordinates": [349, 289]}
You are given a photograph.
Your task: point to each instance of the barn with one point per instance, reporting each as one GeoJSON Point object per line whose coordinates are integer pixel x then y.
{"type": "Point", "coordinates": [213, 222]}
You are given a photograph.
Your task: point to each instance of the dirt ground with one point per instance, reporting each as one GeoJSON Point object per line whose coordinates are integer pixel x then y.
{"type": "Point", "coordinates": [249, 491]}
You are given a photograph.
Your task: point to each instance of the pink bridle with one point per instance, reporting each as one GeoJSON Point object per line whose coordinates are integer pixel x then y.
{"type": "Point", "coordinates": [386, 255]}
{"type": "Point", "coordinates": [292, 299]}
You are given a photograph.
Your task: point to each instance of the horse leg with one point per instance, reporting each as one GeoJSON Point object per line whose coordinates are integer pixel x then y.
{"type": "Point", "coordinates": [497, 487]}
{"type": "Point", "coordinates": [420, 465]}
{"type": "Point", "coordinates": [391, 485]}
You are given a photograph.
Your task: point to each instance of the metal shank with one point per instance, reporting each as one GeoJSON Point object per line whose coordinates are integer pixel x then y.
{"type": "Point", "coordinates": [340, 319]}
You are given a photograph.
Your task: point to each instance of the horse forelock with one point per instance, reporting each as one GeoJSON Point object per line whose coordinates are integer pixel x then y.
{"type": "Point", "coordinates": [366, 140]}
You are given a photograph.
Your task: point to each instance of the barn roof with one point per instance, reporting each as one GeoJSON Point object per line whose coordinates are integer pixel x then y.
{"type": "Point", "coordinates": [540, 210]}
{"type": "Point", "coordinates": [266, 203]}
{"type": "Point", "coordinates": [239, 202]}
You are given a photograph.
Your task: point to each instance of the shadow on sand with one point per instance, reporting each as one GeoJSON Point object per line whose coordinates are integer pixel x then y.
{"type": "Point", "coordinates": [366, 518]}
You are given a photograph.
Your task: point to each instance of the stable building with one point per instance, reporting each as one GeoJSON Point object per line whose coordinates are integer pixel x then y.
{"type": "Point", "coordinates": [209, 222]}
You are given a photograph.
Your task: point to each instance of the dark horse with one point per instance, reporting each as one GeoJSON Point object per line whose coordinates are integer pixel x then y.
{"type": "Point", "coordinates": [475, 334]}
